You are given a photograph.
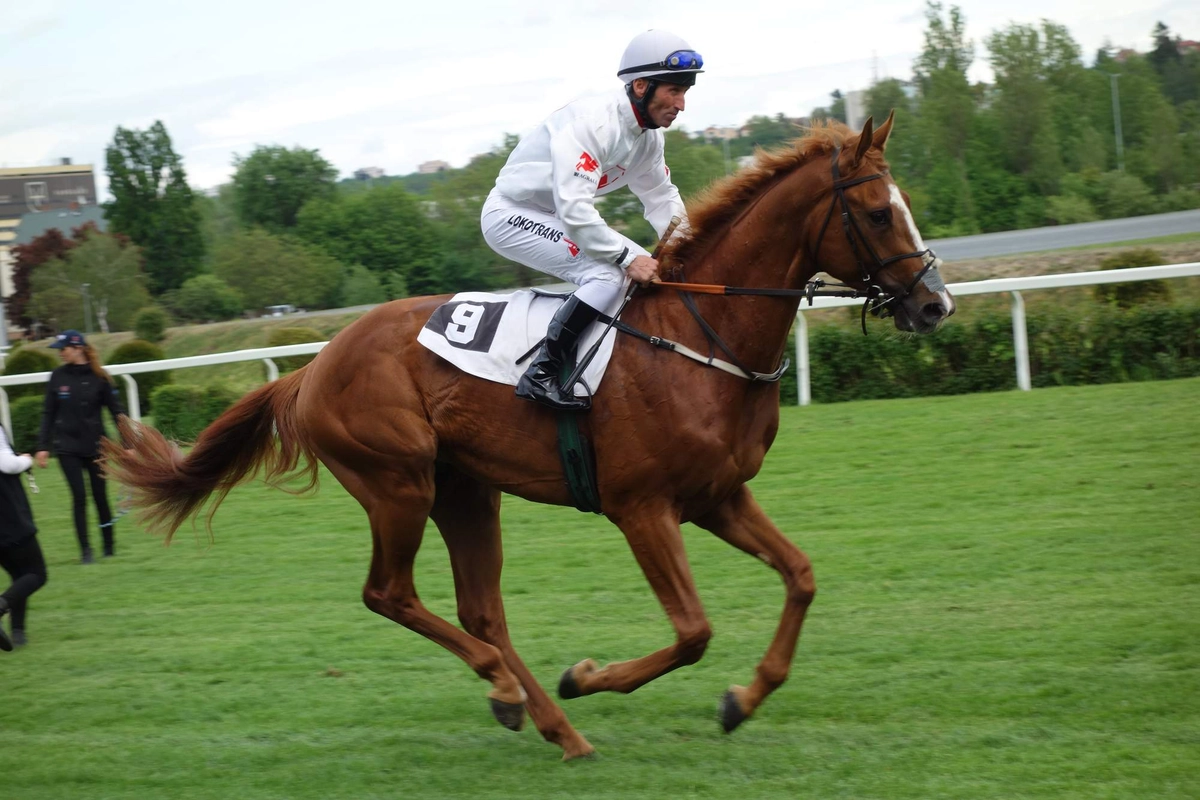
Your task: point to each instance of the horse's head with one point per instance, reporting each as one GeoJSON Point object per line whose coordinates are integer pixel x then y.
{"type": "Point", "coordinates": [868, 239]}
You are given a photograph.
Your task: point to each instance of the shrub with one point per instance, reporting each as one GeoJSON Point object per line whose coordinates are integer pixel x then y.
{"type": "Point", "coordinates": [282, 336]}
{"type": "Point", "coordinates": [182, 412]}
{"type": "Point", "coordinates": [1069, 209]}
{"type": "Point", "coordinates": [133, 352]}
{"type": "Point", "coordinates": [27, 422]}
{"type": "Point", "coordinates": [1128, 295]}
{"type": "Point", "coordinates": [206, 298]}
{"type": "Point", "coordinates": [1124, 195]}
{"type": "Point", "coordinates": [150, 324]}
{"type": "Point", "coordinates": [1180, 199]}
{"type": "Point", "coordinates": [23, 362]}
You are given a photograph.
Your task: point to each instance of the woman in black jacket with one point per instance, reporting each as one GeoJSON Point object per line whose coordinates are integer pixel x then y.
{"type": "Point", "coordinates": [71, 423]}
{"type": "Point", "coordinates": [20, 555]}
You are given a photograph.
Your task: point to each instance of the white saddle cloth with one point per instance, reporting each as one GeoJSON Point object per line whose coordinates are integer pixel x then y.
{"type": "Point", "coordinates": [484, 334]}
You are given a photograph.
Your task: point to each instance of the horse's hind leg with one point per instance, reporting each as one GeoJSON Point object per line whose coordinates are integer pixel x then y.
{"type": "Point", "coordinates": [398, 507]}
{"type": "Point", "coordinates": [468, 515]}
{"type": "Point", "coordinates": [741, 522]}
{"type": "Point", "coordinates": [654, 537]}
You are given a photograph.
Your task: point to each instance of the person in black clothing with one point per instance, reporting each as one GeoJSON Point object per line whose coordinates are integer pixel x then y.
{"type": "Point", "coordinates": [71, 423]}
{"type": "Point", "coordinates": [20, 555]}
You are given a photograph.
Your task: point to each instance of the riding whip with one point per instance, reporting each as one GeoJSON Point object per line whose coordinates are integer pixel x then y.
{"type": "Point", "coordinates": [569, 383]}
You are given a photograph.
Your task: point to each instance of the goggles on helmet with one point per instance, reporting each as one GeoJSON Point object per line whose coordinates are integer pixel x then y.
{"type": "Point", "coordinates": [680, 59]}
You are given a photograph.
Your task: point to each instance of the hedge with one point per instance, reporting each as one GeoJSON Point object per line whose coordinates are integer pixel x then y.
{"type": "Point", "coordinates": [27, 422]}
{"type": "Point", "coordinates": [151, 323]}
{"type": "Point", "coordinates": [1103, 345]}
{"type": "Point", "coordinates": [23, 362]}
{"type": "Point", "coordinates": [181, 412]}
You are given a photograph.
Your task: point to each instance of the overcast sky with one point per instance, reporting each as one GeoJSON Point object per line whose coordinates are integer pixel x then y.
{"type": "Point", "coordinates": [392, 84]}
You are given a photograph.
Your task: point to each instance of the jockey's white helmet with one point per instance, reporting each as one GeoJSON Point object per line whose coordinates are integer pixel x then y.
{"type": "Point", "coordinates": [660, 55]}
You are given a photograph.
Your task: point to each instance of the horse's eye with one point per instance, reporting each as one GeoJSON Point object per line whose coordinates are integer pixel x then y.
{"type": "Point", "coordinates": [882, 217]}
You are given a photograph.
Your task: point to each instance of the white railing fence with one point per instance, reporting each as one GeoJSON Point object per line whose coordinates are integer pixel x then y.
{"type": "Point", "coordinates": [1013, 286]}
{"type": "Point", "coordinates": [127, 371]}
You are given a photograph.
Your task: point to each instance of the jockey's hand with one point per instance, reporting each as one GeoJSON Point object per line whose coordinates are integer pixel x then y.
{"type": "Point", "coordinates": [42, 458]}
{"type": "Point", "coordinates": [643, 270]}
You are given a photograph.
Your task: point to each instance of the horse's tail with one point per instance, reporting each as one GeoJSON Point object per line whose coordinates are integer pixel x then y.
{"type": "Point", "coordinates": [168, 487]}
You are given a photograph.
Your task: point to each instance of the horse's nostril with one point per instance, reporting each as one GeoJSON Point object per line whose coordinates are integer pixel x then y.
{"type": "Point", "coordinates": [933, 312]}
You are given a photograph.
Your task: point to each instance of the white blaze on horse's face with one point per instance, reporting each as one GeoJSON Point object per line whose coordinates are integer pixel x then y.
{"type": "Point", "coordinates": [902, 209]}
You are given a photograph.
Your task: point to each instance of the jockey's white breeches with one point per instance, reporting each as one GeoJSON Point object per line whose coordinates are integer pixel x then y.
{"type": "Point", "coordinates": [536, 238]}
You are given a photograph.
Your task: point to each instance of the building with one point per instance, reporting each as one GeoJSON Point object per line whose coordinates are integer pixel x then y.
{"type": "Point", "coordinates": [433, 166]}
{"type": "Point", "coordinates": [368, 173]}
{"type": "Point", "coordinates": [716, 133]}
{"type": "Point", "coordinates": [37, 199]}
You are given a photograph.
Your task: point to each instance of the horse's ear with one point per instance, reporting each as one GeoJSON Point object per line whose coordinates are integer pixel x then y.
{"type": "Point", "coordinates": [880, 137]}
{"type": "Point", "coordinates": [864, 141]}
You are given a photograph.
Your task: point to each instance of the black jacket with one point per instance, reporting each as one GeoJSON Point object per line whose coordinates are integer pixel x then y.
{"type": "Point", "coordinates": [16, 519]}
{"type": "Point", "coordinates": [74, 397]}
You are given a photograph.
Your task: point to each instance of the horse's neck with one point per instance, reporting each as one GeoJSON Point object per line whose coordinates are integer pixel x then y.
{"type": "Point", "coordinates": [762, 248]}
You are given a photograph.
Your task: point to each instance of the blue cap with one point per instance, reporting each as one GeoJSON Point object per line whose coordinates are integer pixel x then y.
{"type": "Point", "coordinates": [67, 339]}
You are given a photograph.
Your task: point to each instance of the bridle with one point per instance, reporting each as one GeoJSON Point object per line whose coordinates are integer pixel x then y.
{"type": "Point", "coordinates": [879, 301]}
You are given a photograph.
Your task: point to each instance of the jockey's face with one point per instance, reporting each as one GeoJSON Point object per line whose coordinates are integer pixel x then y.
{"type": "Point", "coordinates": [666, 104]}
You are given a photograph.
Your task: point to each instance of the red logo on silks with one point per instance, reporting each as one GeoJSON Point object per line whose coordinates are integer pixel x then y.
{"type": "Point", "coordinates": [612, 174]}
{"type": "Point", "coordinates": [574, 248]}
{"type": "Point", "coordinates": [587, 163]}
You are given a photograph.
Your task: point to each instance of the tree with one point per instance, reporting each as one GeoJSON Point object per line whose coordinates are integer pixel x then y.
{"type": "Point", "coordinates": [49, 246]}
{"type": "Point", "coordinates": [361, 287]}
{"type": "Point", "coordinates": [766, 132]}
{"type": "Point", "coordinates": [467, 262]}
{"type": "Point", "coordinates": [385, 229]}
{"type": "Point", "coordinates": [218, 219]}
{"type": "Point", "coordinates": [153, 205]}
{"type": "Point", "coordinates": [273, 270]}
{"type": "Point", "coordinates": [273, 183]}
{"type": "Point", "coordinates": [100, 277]}
{"type": "Point", "coordinates": [1031, 68]}
{"type": "Point", "coordinates": [206, 298]}
{"type": "Point", "coordinates": [947, 116]}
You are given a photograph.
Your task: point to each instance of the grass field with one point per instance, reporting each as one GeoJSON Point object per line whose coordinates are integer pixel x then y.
{"type": "Point", "coordinates": [1008, 607]}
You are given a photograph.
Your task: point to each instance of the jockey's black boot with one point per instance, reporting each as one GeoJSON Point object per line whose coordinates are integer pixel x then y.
{"type": "Point", "coordinates": [541, 381]}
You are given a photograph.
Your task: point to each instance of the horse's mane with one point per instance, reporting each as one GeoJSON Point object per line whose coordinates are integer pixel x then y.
{"type": "Point", "coordinates": [717, 206]}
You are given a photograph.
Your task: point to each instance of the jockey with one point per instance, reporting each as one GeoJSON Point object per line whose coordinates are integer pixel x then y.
{"type": "Point", "coordinates": [542, 211]}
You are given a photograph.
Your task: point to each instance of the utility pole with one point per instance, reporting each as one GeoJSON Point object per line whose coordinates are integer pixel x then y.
{"type": "Point", "coordinates": [725, 147]}
{"type": "Point", "coordinates": [1116, 104]}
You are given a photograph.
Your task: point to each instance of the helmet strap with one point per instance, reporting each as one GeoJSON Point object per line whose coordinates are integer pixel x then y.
{"type": "Point", "coordinates": [640, 106]}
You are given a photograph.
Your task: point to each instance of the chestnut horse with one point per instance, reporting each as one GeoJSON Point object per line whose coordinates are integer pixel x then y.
{"type": "Point", "coordinates": [412, 438]}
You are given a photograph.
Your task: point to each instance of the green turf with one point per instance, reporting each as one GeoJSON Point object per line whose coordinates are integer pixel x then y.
{"type": "Point", "coordinates": [1008, 607]}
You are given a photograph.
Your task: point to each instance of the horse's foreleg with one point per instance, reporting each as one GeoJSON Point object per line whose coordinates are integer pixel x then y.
{"type": "Point", "coordinates": [468, 515]}
{"type": "Point", "coordinates": [654, 537]}
{"type": "Point", "coordinates": [398, 512]}
{"type": "Point", "coordinates": [741, 522]}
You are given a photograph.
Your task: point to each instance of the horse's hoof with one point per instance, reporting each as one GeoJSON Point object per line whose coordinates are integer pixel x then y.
{"type": "Point", "coordinates": [730, 713]}
{"type": "Point", "coordinates": [510, 715]}
{"type": "Point", "coordinates": [568, 687]}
